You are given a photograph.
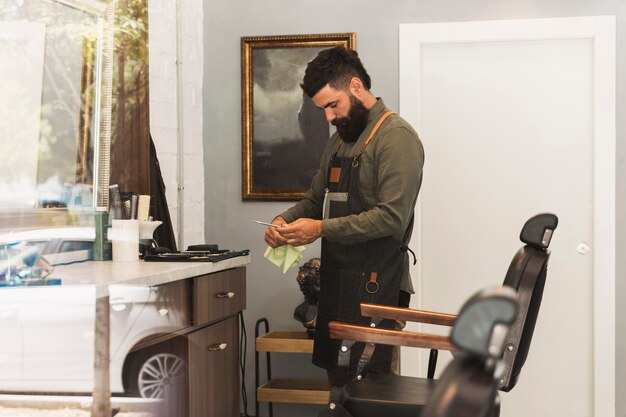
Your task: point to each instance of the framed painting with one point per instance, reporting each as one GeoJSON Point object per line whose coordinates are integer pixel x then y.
{"type": "Point", "coordinates": [283, 132]}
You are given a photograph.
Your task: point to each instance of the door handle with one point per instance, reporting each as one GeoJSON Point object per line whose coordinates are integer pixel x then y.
{"type": "Point", "coordinates": [217, 347]}
{"type": "Point", "coordinates": [228, 294]}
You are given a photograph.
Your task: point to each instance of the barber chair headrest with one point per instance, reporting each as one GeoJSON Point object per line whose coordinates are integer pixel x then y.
{"type": "Point", "coordinates": [483, 322]}
{"type": "Point", "coordinates": [537, 230]}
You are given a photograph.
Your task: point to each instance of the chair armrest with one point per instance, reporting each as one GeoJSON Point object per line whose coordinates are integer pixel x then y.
{"type": "Point", "coordinates": [399, 313]}
{"type": "Point", "coordinates": [357, 333]}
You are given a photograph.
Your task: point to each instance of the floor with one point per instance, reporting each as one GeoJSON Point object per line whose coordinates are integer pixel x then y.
{"type": "Point", "coordinates": [61, 412]}
{"type": "Point", "coordinates": [13, 405]}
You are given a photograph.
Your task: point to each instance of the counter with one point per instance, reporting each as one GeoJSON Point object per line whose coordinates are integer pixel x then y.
{"type": "Point", "coordinates": [104, 273]}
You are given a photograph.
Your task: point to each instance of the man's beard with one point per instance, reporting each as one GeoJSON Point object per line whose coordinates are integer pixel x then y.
{"type": "Point", "coordinates": [351, 127]}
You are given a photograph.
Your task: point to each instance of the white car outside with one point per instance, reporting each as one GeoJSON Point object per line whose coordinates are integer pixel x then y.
{"type": "Point", "coordinates": [48, 335]}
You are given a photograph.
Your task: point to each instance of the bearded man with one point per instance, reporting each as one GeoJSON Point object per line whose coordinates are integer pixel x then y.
{"type": "Point", "coordinates": [360, 203]}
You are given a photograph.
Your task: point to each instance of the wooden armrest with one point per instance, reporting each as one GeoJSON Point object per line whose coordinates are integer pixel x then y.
{"type": "Point", "coordinates": [399, 313]}
{"type": "Point", "coordinates": [357, 333]}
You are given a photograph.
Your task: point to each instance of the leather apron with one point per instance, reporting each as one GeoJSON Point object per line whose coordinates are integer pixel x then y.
{"type": "Point", "coordinates": [354, 273]}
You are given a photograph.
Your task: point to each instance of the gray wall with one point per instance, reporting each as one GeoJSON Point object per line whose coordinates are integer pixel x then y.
{"type": "Point", "coordinates": [270, 293]}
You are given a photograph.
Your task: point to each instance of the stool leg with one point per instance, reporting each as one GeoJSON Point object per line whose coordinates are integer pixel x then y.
{"type": "Point", "coordinates": [268, 366]}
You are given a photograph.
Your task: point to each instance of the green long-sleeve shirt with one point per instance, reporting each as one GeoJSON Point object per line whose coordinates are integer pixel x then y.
{"type": "Point", "coordinates": [390, 176]}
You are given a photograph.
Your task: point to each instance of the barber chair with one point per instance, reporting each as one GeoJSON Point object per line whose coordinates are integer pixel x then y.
{"type": "Point", "coordinates": [468, 385]}
{"type": "Point", "coordinates": [365, 395]}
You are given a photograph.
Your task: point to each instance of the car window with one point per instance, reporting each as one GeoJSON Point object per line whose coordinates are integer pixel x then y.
{"type": "Point", "coordinates": [70, 251]}
{"type": "Point", "coordinates": [75, 245]}
{"type": "Point", "coordinates": [17, 259]}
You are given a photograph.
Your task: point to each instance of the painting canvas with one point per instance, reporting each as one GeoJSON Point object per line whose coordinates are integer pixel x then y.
{"type": "Point", "coordinates": [284, 133]}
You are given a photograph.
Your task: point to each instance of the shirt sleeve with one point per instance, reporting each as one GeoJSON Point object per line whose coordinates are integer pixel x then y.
{"type": "Point", "coordinates": [397, 161]}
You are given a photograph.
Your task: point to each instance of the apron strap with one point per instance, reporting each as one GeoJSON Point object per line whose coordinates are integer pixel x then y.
{"type": "Point", "coordinates": [369, 138]}
{"type": "Point", "coordinates": [372, 133]}
{"type": "Point", "coordinates": [406, 248]}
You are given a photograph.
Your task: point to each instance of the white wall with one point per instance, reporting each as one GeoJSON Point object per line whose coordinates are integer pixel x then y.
{"type": "Point", "coordinates": [183, 175]}
{"type": "Point", "coordinates": [270, 293]}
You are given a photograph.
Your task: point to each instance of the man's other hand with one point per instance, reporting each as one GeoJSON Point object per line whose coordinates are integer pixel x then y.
{"type": "Point", "coordinates": [272, 237]}
{"type": "Point", "coordinates": [301, 231]}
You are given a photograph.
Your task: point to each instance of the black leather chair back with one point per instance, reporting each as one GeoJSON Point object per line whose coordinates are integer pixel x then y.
{"type": "Point", "coordinates": [527, 276]}
{"type": "Point", "coordinates": [467, 387]}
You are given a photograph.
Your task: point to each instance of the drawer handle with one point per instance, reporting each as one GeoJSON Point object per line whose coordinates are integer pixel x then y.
{"type": "Point", "coordinates": [228, 294]}
{"type": "Point", "coordinates": [217, 347]}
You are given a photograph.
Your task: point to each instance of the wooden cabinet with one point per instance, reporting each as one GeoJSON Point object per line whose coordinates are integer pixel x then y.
{"type": "Point", "coordinates": [213, 343]}
{"type": "Point", "coordinates": [290, 390]}
{"type": "Point", "coordinates": [210, 328]}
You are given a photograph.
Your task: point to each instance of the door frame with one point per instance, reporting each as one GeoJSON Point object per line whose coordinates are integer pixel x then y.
{"type": "Point", "coordinates": [601, 30]}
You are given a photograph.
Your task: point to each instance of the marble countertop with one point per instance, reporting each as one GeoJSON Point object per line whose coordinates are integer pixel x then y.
{"type": "Point", "coordinates": [105, 273]}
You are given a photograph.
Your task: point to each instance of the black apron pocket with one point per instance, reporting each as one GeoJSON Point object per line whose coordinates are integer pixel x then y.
{"type": "Point", "coordinates": [342, 292]}
{"type": "Point", "coordinates": [336, 208]}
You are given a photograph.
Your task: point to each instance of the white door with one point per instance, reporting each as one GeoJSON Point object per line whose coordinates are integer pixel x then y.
{"type": "Point", "coordinates": [518, 118]}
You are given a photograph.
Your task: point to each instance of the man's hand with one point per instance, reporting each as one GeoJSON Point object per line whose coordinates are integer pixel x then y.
{"type": "Point", "coordinates": [301, 231]}
{"type": "Point", "coordinates": [272, 237]}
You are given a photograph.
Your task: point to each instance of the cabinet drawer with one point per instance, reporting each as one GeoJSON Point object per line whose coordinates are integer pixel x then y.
{"type": "Point", "coordinates": [171, 302]}
{"type": "Point", "coordinates": [214, 371]}
{"type": "Point", "coordinates": [219, 295]}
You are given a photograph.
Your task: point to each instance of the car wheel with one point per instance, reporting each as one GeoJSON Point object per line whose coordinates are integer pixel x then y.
{"type": "Point", "coordinates": [156, 371]}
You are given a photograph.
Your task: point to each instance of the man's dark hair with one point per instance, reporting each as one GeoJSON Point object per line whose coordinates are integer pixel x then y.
{"type": "Point", "coordinates": [335, 67]}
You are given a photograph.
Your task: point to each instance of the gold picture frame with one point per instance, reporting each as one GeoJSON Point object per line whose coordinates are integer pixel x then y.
{"type": "Point", "coordinates": [283, 133]}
